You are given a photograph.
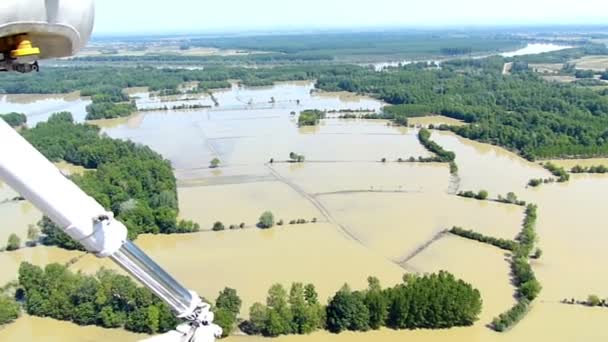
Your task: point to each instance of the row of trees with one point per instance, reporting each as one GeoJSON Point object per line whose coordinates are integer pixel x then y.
{"type": "Point", "coordinates": [14, 119]}
{"type": "Point", "coordinates": [106, 299]}
{"type": "Point", "coordinates": [508, 245]}
{"type": "Point", "coordinates": [590, 169]}
{"type": "Point", "coordinates": [133, 181]}
{"type": "Point", "coordinates": [528, 287]}
{"type": "Point", "coordinates": [434, 301]}
{"type": "Point", "coordinates": [481, 195]}
{"type": "Point", "coordinates": [424, 136]}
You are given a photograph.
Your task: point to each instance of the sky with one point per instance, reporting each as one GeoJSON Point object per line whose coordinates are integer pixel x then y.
{"type": "Point", "coordinates": [201, 16]}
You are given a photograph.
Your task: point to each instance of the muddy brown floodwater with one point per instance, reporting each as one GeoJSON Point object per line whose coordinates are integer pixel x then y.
{"type": "Point", "coordinates": [374, 218]}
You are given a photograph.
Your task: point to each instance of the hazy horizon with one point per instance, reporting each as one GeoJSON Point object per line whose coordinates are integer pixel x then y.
{"type": "Point", "coordinates": [190, 16]}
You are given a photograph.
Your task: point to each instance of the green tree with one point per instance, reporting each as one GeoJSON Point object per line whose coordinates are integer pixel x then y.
{"type": "Point", "coordinates": [482, 195]}
{"type": "Point", "coordinates": [347, 311]}
{"type": "Point", "coordinates": [226, 320]}
{"type": "Point", "coordinates": [14, 243]}
{"type": "Point", "coordinates": [218, 226]}
{"type": "Point", "coordinates": [266, 220]}
{"type": "Point", "coordinates": [215, 162]}
{"type": "Point", "coordinates": [279, 315]}
{"type": "Point", "coordinates": [258, 316]}
{"type": "Point", "coordinates": [228, 299]}
{"type": "Point", "coordinates": [306, 315]}
{"type": "Point", "coordinates": [376, 303]}
{"type": "Point", "coordinates": [530, 289]}
{"type": "Point", "coordinates": [593, 300]}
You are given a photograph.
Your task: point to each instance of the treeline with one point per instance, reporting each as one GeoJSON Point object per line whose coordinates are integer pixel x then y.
{"type": "Point", "coordinates": [105, 80]}
{"type": "Point", "coordinates": [590, 169]}
{"type": "Point", "coordinates": [424, 136]}
{"type": "Point", "coordinates": [133, 181]}
{"type": "Point", "coordinates": [435, 301]}
{"type": "Point", "coordinates": [456, 51]}
{"type": "Point", "coordinates": [106, 299]}
{"type": "Point", "coordinates": [14, 119]}
{"type": "Point", "coordinates": [508, 245]}
{"type": "Point", "coordinates": [310, 117]}
{"type": "Point", "coordinates": [528, 287]}
{"type": "Point", "coordinates": [244, 59]}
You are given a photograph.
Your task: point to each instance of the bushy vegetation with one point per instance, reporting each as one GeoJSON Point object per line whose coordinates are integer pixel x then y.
{"type": "Point", "coordinates": [310, 117]}
{"type": "Point", "coordinates": [103, 108]}
{"type": "Point", "coordinates": [422, 302]}
{"type": "Point", "coordinates": [424, 136]}
{"type": "Point", "coordinates": [590, 169]}
{"type": "Point", "coordinates": [10, 310]}
{"type": "Point", "coordinates": [131, 180]}
{"type": "Point", "coordinates": [14, 243]}
{"type": "Point", "coordinates": [227, 309]}
{"type": "Point", "coordinates": [266, 220]}
{"type": "Point", "coordinates": [508, 245]}
{"type": "Point", "coordinates": [559, 172]}
{"type": "Point", "coordinates": [14, 119]}
{"type": "Point", "coordinates": [106, 299]}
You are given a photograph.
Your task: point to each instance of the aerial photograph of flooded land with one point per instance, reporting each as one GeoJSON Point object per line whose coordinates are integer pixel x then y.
{"type": "Point", "coordinates": [320, 172]}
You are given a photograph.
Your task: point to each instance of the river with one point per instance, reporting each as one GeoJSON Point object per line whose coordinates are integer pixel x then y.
{"type": "Point", "coordinates": [529, 49]}
{"type": "Point", "coordinates": [373, 218]}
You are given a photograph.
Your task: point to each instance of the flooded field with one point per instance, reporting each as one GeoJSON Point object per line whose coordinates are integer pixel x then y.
{"type": "Point", "coordinates": [396, 225]}
{"type": "Point", "coordinates": [572, 239]}
{"type": "Point", "coordinates": [487, 167]}
{"type": "Point", "coordinates": [485, 266]}
{"type": "Point", "coordinates": [247, 128]}
{"type": "Point", "coordinates": [236, 203]}
{"type": "Point", "coordinates": [324, 178]}
{"type": "Point", "coordinates": [251, 260]}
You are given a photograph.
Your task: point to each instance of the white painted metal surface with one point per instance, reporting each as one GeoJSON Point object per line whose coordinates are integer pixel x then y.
{"type": "Point", "coordinates": [58, 27]}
